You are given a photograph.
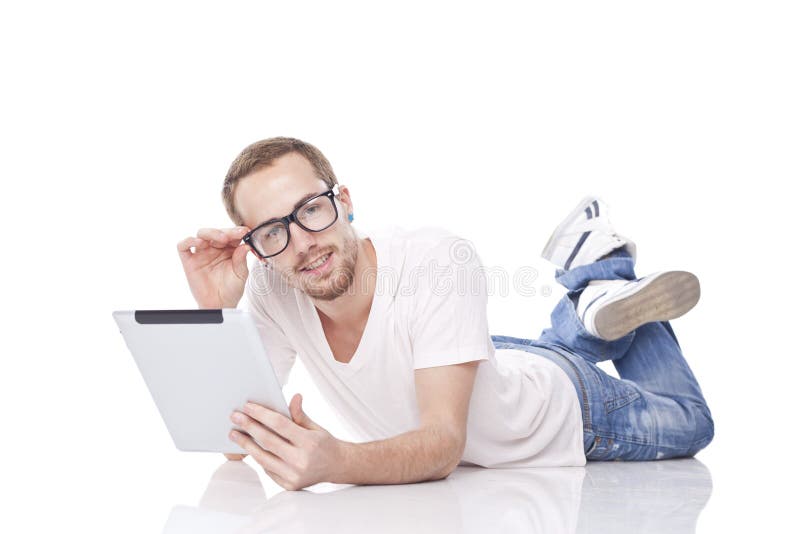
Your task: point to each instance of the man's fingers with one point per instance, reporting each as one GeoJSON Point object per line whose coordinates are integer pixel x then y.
{"type": "Point", "coordinates": [216, 238]}
{"type": "Point", "coordinates": [265, 459]}
{"type": "Point", "coordinates": [239, 260]}
{"type": "Point", "coordinates": [268, 439]}
{"type": "Point", "coordinates": [234, 457]}
{"type": "Point", "coordinates": [278, 423]}
{"type": "Point", "coordinates": [222, 238]}
{"type": "Point", "coordinates": [185, 247]}
{"type": "Point", "coordinates": [186, 244]}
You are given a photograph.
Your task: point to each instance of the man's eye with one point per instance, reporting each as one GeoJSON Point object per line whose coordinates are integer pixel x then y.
{"type": "Point", "coordinates": [272, 233]}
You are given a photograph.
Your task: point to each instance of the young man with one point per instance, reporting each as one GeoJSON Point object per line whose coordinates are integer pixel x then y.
{"type": "Point", "coordinates": [392, 328]}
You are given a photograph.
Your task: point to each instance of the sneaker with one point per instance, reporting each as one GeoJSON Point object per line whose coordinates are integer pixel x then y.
{"type": "Point", "coordinates": [610, 309]}
{"type": "Point", "coordinates": [585, 236]}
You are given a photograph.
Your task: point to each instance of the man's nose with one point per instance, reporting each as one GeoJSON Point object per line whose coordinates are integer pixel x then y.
{"type": "Point", "coordinates": [301, 240]}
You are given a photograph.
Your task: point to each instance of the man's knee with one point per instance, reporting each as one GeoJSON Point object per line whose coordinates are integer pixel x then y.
{"type": "Point", "coordinates": [705, 431]}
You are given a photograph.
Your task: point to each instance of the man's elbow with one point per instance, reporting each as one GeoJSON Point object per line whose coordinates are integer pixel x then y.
{"type": "Point", "coordinates": [447, 470]}
{"type": "Point", "coordinates": [455, 451]}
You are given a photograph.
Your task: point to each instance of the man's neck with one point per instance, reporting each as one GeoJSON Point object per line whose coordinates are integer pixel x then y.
{"type": "Point", "coordinates": [352, 308]}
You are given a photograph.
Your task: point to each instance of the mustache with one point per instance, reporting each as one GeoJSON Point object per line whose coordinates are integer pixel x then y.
{"type": "Point", "coordinates": [312, 256]}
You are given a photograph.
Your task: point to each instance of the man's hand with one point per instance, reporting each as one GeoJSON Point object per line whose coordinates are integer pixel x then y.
{"type": "Point", "coordinates": [295, 452]}
{"type": "Point", "coordinates": [217, 268]}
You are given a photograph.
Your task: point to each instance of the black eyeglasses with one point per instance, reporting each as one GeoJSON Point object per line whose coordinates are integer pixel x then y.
{"type": "Point", "coordinates": [315, 214]}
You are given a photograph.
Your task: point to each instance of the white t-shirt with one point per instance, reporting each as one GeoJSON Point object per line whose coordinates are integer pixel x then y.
{"type": "Point", "coordinates": [429, 309]}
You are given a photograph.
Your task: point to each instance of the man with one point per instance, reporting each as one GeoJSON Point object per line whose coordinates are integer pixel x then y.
{"type": "Point", "coordinates": [392, 328]}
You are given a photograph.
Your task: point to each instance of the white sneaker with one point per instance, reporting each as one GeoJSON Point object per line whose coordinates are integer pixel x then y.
{"type": "Point", "coordinates": [585, 236]}
{"type": "Point", "coordinates": [610, 309]}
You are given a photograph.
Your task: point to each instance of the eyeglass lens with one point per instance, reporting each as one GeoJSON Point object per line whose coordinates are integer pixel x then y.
{"type": "Point", "coordinates": [315, 215]}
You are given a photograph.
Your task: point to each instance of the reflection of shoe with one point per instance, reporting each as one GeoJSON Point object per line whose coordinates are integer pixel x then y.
{"type": "Point", "coordinates": [585, 236]}
{"type": "Point", "coordinates": [610, 309]}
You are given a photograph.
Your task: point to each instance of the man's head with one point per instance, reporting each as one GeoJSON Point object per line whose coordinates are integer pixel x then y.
{"type": "Point", "coordinates": [267, 181]}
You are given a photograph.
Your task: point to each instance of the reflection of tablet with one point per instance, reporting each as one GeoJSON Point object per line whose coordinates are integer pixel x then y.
{"type": "Point", "coordinates": [200, 366]}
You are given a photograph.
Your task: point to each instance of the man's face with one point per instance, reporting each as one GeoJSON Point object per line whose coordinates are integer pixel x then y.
{"type": "Point", "coordinates": [273, 192]}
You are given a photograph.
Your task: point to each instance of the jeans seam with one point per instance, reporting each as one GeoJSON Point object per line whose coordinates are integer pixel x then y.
{"type": "Point", "coordinates": [708, 437]}
{"type": "Point", "coordinates": [585, 396]}
{"type": "Point", "coordinates": [635, 441]}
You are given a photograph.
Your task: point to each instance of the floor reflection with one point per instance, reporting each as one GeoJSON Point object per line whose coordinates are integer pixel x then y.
{"type": "Point", "coordinates": [660, 496]}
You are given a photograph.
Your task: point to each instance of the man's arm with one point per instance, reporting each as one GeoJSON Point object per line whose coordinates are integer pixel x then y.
{"type": "Point", "coordinates": [431, 452]}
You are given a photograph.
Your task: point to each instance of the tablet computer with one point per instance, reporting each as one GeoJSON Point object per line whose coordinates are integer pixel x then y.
{"type": "Point", "coordinates": [200, 366]}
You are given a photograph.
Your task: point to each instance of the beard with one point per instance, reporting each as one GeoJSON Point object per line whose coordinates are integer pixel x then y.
{"type": "Point", "coordinates": [340, 278]}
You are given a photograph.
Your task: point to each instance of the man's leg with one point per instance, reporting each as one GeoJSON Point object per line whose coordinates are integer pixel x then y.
{"type": "Point", "coordinates": [671, 409]}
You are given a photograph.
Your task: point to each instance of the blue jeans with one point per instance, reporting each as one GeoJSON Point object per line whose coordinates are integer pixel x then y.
{"type": "Point", "coordinates": [655, 410]}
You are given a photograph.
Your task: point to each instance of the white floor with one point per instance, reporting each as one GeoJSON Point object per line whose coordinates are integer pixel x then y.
{"type": "Point", "coordinates": [173, 492]}
{"type": "Point", "coordinates": [203, 493]}
{"type": "Point", "coordinates": [667, 496]}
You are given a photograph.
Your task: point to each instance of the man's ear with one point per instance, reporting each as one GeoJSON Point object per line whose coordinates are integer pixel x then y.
{"type": "Point", "coordinates": [344, 198]}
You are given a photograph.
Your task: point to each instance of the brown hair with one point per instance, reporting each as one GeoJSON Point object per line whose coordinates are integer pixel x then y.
{"type": "Point", "coordinates": [263, 154]}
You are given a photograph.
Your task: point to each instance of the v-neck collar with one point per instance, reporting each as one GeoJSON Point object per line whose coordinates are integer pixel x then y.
{"type": "Point", "coordinates": [314, 324]}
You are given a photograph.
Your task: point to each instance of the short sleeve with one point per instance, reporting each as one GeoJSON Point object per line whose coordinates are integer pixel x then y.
{"type": "Point", "coordinates": [279, 350]}
{"type": "Point", "coordinates": [448, 323]}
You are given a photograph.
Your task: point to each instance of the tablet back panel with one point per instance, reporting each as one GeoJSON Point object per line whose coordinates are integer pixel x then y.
{"type": "Point", "coordinates": [201, 365]}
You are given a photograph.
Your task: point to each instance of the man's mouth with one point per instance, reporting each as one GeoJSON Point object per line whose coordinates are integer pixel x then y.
{"type": "Point", "coordinates": [317, 263]}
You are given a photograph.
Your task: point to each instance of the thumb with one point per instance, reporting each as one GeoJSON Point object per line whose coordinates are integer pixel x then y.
{"type": "Point", "coordinates": [299, 416]}
{"type": "Point", "coordinates": [239, 261]}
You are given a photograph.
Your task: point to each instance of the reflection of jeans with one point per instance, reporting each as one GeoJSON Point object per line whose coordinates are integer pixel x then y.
{"type": "Point", "coordinates": [655, 409]}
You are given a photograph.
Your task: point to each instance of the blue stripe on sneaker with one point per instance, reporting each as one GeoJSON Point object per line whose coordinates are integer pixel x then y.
{"type": "Point", "coordinates": [592, 302]}
{"type": "Point", "coordinates": [596, 208]}
{"type": "Point", "coordinates": [588, 213]}
{"type": "Point", "coordinates": [576, 249]}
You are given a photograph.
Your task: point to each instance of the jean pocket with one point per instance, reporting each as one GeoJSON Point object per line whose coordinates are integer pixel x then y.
{"type": "Point", "coordinates": [600, 448]}
{"type": "Point", "coordinates": [595, 442]}
{"type": "Point", "coordinates": [619, 393]}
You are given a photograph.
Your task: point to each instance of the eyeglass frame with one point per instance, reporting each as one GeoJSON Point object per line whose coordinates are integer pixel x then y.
{"type": "Point", "coordinates": [292, 218]}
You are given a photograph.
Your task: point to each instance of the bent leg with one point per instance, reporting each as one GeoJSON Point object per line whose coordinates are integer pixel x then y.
{"type": "Point", "coordinates": [621, 419]}
{"type": "Point", "coordinates": [631, 423]}
{"type": "Point", "coordinates": [671, 408]}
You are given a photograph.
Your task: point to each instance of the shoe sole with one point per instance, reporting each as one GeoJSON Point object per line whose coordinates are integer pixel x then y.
{"type": "Point", "coordinates": [665, 297]}
{"type": "Point", "coordinates": [549, 248]}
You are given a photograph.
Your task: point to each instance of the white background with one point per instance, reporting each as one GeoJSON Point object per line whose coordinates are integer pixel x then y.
{"type": "Point", "coordinates": [119, 122]}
